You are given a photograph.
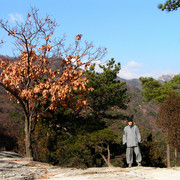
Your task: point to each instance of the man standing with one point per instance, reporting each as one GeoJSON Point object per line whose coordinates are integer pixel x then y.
{"type": "Point", "coordinates": [132, 138]}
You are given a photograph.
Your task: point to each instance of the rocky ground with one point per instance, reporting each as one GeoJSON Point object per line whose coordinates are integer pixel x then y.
{"type": "Point", "coordinates": [15, 167]}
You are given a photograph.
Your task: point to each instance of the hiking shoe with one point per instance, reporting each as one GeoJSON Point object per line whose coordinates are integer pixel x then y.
{"type": "Point", "coordinates": [130, 165]}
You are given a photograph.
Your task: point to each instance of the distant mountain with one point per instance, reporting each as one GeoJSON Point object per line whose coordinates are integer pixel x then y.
{"type": "Point", "coordinates": [167, 77]}
{"type": "Point", "coordinates": [134, 82]}
{"type": "Point", "coordinates": [131, 82]}
{"type": "Point", "coordinates": [137, 83]}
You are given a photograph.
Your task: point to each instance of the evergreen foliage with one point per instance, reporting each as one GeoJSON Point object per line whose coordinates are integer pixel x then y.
{"type": "Point", "coordinates": [157, 92]}
{"type": "Point", "coordinates": [107, 91]}
{"type": "Point", "coordinates": [169, 5]}
{"type": "Point", "coordinates": [82, 138]}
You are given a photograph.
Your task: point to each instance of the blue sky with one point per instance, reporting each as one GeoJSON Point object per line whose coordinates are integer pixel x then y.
{"type": "Point", "coordinates": [145, 40]}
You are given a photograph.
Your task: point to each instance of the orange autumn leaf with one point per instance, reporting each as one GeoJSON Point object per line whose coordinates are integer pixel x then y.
{"type": "Point", "coordinates": [86, 67]}
{"type": "Point", "coordinates": [75, 88]}
{"type": "Point", "coordinates": [49, 48]}
{"type": "Point", "coordinates": [80, 72]}
{"type": "Point", "coordinates": [75, 56]}
{"type": "Point", "coordinates": [84, 102]}
{"type": "Point", "coordinates": [39, 49]}
{"type": "Point", "coordinates": [47, 37]}
{"type": "Point", "coordinates": [70, 80]}
{"type": "Point", "coordinates": [91, 89]}
{"type": "Point", "coordinates": [78, 63]}
{"type": "Point", "coordinates": [78, 37]}
{"type": "Point", "coordinates": [29, 15]}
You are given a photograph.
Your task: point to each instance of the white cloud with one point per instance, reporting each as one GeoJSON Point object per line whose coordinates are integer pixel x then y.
{"type": "Point", "coordinates": [135, 70]}
{"type": "Point", "coordinates": [156, 73]}
{"type": "Point", "coordinates": [16, 18]}
{"type": "Point", "coordinates": [130, 71]}
{"type": "Point", "coordinates": [127, 74]}
{"type": "Point", "coordinates": [98, 62]}
{"type": "Point", "coordinates": [133, 64]}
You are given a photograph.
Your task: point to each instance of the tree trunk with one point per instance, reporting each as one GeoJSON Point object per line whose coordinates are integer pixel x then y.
{"type": "Point", "coordinates": [176, 155]}
{"type": "Point", "coordinates": [107, 161]}
{"type": "Point", "coordinates": [109, 156]}
{"type": "Point", "coordinates": [168, 155]}
{"type": "Point", "coordinates": [27, 130]}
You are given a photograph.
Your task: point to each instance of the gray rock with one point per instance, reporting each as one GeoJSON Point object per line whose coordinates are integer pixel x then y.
{"type": "Point", "coordinates": [13, 167]}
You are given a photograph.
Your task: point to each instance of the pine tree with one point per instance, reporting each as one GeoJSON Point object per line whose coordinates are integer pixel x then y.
{"type": "Point", "coordinates": [169, 5]}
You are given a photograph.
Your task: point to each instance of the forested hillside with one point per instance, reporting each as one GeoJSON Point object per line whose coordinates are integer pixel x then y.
{"type": "Point", "coordinates": [58, 137]}
{"type": "Point", "coordinates": [11, 122]}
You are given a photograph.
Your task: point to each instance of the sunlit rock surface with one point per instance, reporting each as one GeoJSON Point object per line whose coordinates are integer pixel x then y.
{"type": "Point", "coordinates": [15, 167]}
